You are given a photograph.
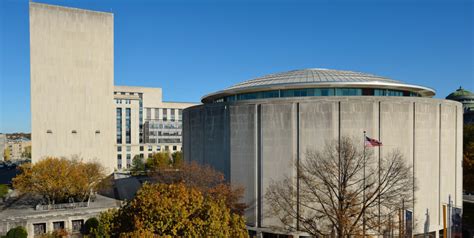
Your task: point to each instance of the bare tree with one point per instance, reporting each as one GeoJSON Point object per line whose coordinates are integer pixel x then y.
{"type": "Point", "coordinates": [332, 195]}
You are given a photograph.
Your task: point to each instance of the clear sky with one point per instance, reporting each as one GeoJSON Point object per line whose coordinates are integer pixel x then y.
{"type": "Point", "coordinates": [193, 48]}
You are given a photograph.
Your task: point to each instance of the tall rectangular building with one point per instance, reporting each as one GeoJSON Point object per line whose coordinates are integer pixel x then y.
{"type": "Point", "coordinates": [72, 77]}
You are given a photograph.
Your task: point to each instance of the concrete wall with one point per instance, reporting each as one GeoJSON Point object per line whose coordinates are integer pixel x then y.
{"type": "Point", "coordinates": [267, 136]}
{"type": "Point", "coordinates": [72, 72]}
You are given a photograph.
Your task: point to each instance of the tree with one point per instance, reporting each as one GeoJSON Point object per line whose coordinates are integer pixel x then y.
{"type": "Point", "coordinates": [138, 166]}
{"type": "Point", "coordinates": [17, 232]}
{"type": "Point", "coordinates": [177, 159]}
{"type": "Point", "coordinates": [91, 226]}
{"type": "Point", "coordinates": [177, 210]}
{"type": "Point", "coordinates": [468, 158]}
{"type": "Point", "coordinates": [205, 179]}
{"type": "Point", "coordinates": [3, 190]}
{"type": "Point", "coordinates": [160, 160]}
{"type": "Point", "coordinates": [331, 191]}
{"type": "Point", "coordinates": [59, 180]}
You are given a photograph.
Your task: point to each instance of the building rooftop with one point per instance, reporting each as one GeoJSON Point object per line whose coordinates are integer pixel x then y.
{"type": "Point", "coordinates": [460, 93]}
{"type": "Point", "coordinates": [318, 78]}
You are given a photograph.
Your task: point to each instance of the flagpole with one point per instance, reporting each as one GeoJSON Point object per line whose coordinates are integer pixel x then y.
{"type": "Point", "coordinates": [363, 192]}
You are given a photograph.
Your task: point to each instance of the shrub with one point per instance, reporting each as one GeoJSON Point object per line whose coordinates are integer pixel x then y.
{"type": "Point", "coordinates": [17, 232]}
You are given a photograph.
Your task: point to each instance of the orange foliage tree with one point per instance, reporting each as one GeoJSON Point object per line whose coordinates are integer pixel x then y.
{"type": "Point", "coordinates": [59, 179]}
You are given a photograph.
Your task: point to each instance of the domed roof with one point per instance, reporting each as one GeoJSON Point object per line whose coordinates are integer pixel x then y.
{"type": "Point", "coordinates": [318, 78]}
{"type": "Point", "coordinates": [308, 76]}
{"type": "Point", "coordinates": [460, 93]}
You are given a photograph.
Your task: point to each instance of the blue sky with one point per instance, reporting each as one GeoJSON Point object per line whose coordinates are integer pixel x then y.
{"type": "Point", "coordinates": [193, 48]}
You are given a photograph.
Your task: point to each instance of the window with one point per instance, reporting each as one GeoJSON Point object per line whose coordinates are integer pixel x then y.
{"type": "Point", "coordinates": [39, 228]}
{"type": "Point", "coordinates": [167, 148]}
{"type": "Point", "coordinates": [119, 125]}
{"type": "Point", "coordinates": [175, 148]}
{"type": "Point", "coordinates": [150, 155]}
{"type": "Point", "coordinates": [141, 148]}
{"type": "Point", "coordinates": [157, 113]}
{"type": "Point", "coordinates": [119, 148]}
{"type": "Point", "coordinates": [180, 114]}
{"type": "Point", "coordinates": [58, 225]}
{"type": "Point", "coordinates": [119, 161]}
{"type": "Point", "coordinates": [129, 159]}
{"type": "Point", "coordinates": [123, 93]}
{"type": "Point", "coordinates": [141, 156]}
{"type": "Point", "coordinates": [148, 113]}
{"type": "Point", "coordinates": [158, 148]}
{"type": "Point", "coordinates": [172, 116]}
{"type": "Point", "coordinates": [150, 148]}
{"type": "Point", "coordinates": [128, 128]}
{"type": "Point", "coordinates": [77, 225]}
{"type": "Point", "coordinates": [129, 148]}
{"type": "Point", "coordinates": [348, 91]}
{"type": "Point", "coordinates": [165, 114]}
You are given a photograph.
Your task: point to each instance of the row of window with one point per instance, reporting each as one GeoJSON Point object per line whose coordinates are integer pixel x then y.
{"type": "Point", "coordinates": [127, 93]}
{"type": "Point", "coordinates": [122, 101]}
{"type": "Point", "coordinates": [40, 228]}
{"type": "Point", "coordinates": [164, 113]}
{"type": "Point", "coordinates": [308, 92]}
{"type": "Point", "coordinates": [129, 156]}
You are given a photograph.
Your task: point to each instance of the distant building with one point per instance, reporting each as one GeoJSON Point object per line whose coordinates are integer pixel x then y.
{"type": "Point", "coordinates": [3, 140]}
{"type": "Point", "coordinates": [256, 131]}
{"type": "Point", "coordinates": [75, 108]}
{"type": "Point", "coordinates": [467, 99]}
{"type": "Point", "coordinates": [145, 124]}
{"type": "Point", "coordinates": [18, 148]}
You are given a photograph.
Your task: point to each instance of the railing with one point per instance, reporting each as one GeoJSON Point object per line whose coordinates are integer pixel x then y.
{"type": "Point", "coordinates": [59, 206]}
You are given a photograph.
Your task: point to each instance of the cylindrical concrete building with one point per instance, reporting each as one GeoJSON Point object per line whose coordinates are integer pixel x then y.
{"type": "Point", "coordinates": [254, 131]}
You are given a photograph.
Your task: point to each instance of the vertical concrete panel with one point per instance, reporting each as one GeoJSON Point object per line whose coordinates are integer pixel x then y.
{"type": "Point", "coordinates": [359, 115]}
{"type": "Point", "coordinates": [196, 127]}
{"type": "Point", "coordinates": [216, 139]}
{"type": "Point", "coordinates": [243, 154]}
{"type": "Point", "coordinates": [186, 136]}
{"type": "Point", "coordinates": [448, 152]}
{"type": "Point", "coordinates": [318, 125]}
{"type": "Point", "coordinates": [278, 148]}
{"type": "Point", "coordinates": [426, 165]}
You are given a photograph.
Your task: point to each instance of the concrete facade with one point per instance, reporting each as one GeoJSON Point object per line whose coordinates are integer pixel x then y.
{"type": "Point", "coordinates": [266, 136]}
{"type": "Point", "coordinates": [72, 73]}
{"type": "Point", "coordinates": [17, 148]}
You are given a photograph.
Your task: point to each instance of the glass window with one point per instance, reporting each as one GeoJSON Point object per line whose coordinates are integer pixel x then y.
{"type": "Point", "coordinates": [157, 113]}
{"type": "Point", "coordinates": [180, 114]}
{"type": "Point", "coordinates": [129, 148]}
{"type": "Point", "coordinates": [129, 161]}
{"type": "Point", "coordinates": [141, 156]}
{"type": "Point", "coordinates": [165, 114]}
{"type": "Point", "coordinates": [77, 225]}
{"type": "Point", "coordinates": [348, 91]}
{"type": "Point", "coordinates": [167, 148]}
{"type": "Point", "coordinates": [175, 148]}
{"type": "Point", "coordinates": [172, 116]}
{"type": "Point", "coordinates": [150, 148]}
{"type": "Point", "coordinates": [58, 225]}
{"type": "Point", "coordinates": [148, 113]}
{"type": "Point", "coordinates": [119, 161]}
{"type": "Point", "coordinates": [150, 155]}
{"type": "Point", "coordinates": [141, 148]}
{"type": "Point", "coordinates": [128, 129]}
{"type": "Point", "coordinates": [39, 228]}
{"type": "Point", "coordinates": [158, 148]}
{"type": "Point", "coordinates": [119, 148]}
{"type": "Point", "coordinates": [119, 125]}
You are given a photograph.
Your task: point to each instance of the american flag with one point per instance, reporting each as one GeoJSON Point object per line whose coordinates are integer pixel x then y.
{"type": "Point", "coordinates": [369, 142]}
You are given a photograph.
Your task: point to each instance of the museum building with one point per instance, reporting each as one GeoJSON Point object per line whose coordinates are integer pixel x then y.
{"type": "Point", "coordinates": [255, 131]}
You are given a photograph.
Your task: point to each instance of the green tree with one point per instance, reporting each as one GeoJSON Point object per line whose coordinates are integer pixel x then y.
{"type": "Point", "coordinates": [91, 226]}
{"type": "Point", "coordinates": [177, 159]}
{"type": "Point", "coordinates": [157, 161]}
{"type": "Point", "coordinates": [3, 190]}
{"type": "Point", "coordinates": [26, 152]}
{"type": "Point", "coordinates": [178, 210]}
{"type": "Point", "coordinates": [138, 166]}
{"type": "Point", "coordinates": [17, 232]}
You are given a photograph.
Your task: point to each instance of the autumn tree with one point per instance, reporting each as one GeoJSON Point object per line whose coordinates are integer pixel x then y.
{"type": "Point", "coordinates": [468, 158]}
{"type": "Point", "coordinates": [178, 159]}
{"type": "Point", "coordinates": [59, 180]}
{"type": "Point", "coordinates": [7, 154]}
{"type": "Point", "coordinates": [160, 160]}
{"type": "Point", "coordinates": [205, 179]}
{"type": "Point", "coordinates": [334, 196]}
{"type": "Point", "coordinates": [177, 210]}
